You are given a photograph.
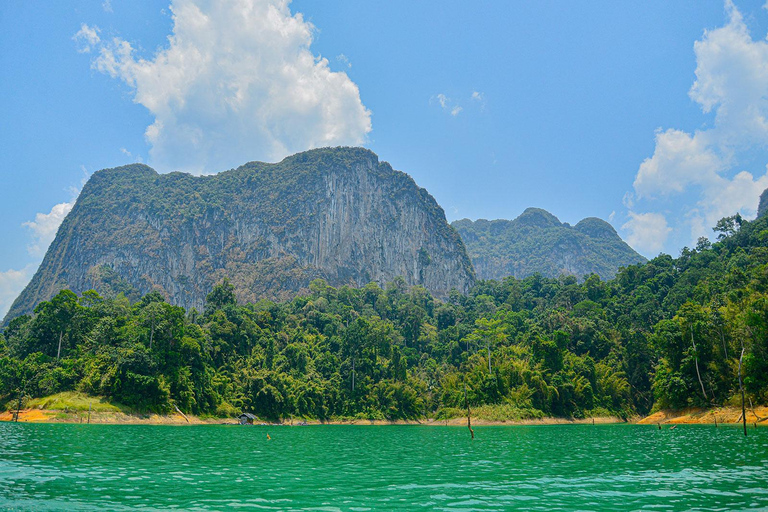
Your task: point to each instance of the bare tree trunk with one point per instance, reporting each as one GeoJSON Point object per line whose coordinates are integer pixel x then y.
{"type": "Point", "coordinates": [58, 352]}
{"type": "Point", "coordinates": [489, 359]}
{"type": "Point", "coordinates": [469, 413]}
{"type": "Point", "coordinates": [353, 374]}
{"type": "Point", "coordinates": [725, 349]}
{"type": "Point", "coordinates": [741, 386]}
{"type": "Point", "coordinates": [696, 359]}
{"type": "Point", "coordinates": [18, 408]}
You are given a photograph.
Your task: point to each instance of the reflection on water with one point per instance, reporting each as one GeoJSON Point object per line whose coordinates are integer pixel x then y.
{"type": "Point", "coordinates": [602, 467]}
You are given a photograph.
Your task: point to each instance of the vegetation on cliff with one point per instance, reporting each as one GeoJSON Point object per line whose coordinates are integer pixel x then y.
{"type": "Point", "coordinates": [537, 242]}
{"type": "Point", "coordinates": [668, 333]}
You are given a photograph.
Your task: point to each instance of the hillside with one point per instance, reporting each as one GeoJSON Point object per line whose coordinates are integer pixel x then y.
{"type": "Point", "coordinates": [337, 214]}
{"type": "Point", "coordinates": [665, 334]}
{"type": "Point", "coordinates": [537, 241]}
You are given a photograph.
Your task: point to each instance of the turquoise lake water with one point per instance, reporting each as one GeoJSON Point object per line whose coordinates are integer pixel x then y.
{"type": "Point", "coordinates": [567, 467]}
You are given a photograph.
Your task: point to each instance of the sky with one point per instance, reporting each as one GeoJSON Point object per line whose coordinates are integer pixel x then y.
{"type": "Point", "coordinates": [649, 114]}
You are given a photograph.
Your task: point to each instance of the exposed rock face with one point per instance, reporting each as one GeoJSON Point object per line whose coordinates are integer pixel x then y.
{"type": "Point", "coordinates": [337, 214]}
{"type": "Point", "coordinates": [537, 241]}
{"type": "Point", "coordinates": [762, 208]}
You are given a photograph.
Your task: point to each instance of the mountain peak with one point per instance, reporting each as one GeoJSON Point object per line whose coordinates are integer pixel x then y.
{"type": "Point", "coordinates": [537, 242]}
{"type": "Point", "coordinates": [332, 213]}
{"type": "Point", "coordinates": [596, 228]}
{"type": "Point", "coordinates": [537, 217]}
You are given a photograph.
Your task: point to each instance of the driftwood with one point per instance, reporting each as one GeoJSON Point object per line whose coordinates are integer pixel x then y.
{"type": "Point", "coordinates": [179, 411]}
{"type": "Point", "coordinates": [759, 419]}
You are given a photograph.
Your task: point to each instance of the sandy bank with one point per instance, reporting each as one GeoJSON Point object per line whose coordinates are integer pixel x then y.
{"type": "Point", "coordinates": [111, 418]}
{"type": "Point", "coordinates": [694, 415]}
{"type": "Point", "coordinates": [120, 418]}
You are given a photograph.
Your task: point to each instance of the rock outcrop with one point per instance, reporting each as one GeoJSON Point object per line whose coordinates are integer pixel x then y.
{"type": "Point", "coordinates": [762, 207]}
{"type": "Point", "coordinates": [537, 241]}
{"type": "Point", "coordinates": [337, 214]}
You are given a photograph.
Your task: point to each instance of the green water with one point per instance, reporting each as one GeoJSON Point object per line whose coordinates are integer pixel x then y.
{"type": "Point", "coordinates": [610, 467]}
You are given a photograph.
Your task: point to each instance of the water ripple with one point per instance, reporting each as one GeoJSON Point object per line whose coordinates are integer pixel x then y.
{"type": "Point", "coordinates": [333, 468]}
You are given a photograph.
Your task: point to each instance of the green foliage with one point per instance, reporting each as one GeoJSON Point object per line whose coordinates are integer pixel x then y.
{"type": "Point", "coordinates": [667, 333]}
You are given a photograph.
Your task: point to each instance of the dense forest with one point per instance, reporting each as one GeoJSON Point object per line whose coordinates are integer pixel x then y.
{"type": "Point", "coordinates": [665, 334]}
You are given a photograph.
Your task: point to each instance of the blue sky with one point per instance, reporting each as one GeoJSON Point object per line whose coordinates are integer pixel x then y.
{"type": "Point", "coordinates": [649, 114]}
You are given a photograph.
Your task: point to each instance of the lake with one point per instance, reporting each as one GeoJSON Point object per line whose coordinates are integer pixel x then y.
{"type": "Point", "coordinates": [585, 467]}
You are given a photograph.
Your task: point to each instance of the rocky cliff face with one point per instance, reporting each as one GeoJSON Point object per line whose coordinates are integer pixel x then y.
{"type": "Point", "coordinates": [337, 214]}
{"type": "Point", "coordinates": [537, 241]}
{"type": "Point", "coordinates": [762, 207]}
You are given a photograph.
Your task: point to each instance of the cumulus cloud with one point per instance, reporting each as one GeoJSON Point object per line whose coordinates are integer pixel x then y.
{"type": "Point", "coordinates": [647, 232]}
{"type": "Point", "coordinates": [43, 228]}
{"type": "Point", "coordinates": [237, 82]}
{"type": "Point", "coordinates": [731, 82]}
{"type": "Point", "coordinates": [679, 160]}
{"type": "Point", "coordinates": [86, 38]}
{"type": "Point", "coordinates": [12, 282]}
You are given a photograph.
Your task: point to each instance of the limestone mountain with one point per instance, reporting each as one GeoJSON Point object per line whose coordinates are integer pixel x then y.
{"type": "Point", "coordinates": [762, 207]}
{"type": "Point", "coordinates": [335, 213]}
{"type": "Point", "coordinates": [537, 241]}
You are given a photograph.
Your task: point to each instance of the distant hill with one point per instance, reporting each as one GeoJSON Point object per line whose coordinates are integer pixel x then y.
{"type": "Point", "coordinates": [335, 213]}
{"type": "Point", "coordinates": [537, 241]}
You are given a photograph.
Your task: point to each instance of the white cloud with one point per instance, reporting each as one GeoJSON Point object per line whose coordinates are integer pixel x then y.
{"type": "Point", "coordinates": [699, 172]}
{"type": "Point", "coordinates": [12, 282]}
{"type": "Point", "coordinates": [343, 59]}
{"type": "Point", "coordinates": [678, 161]}
{"type": "Point", "coordinates": [86, 38]}
{"type": "Point", "coordinates": [478, 98]}
{"type": "Point", "coordinates": [237, 82]}
{"type": "Point", "coordinates": [43, 228]}
{"type": "Point", "coordinates": [107, 5]}
{"type": "Point", "coordinates": [740, 194]}
{"type": "Point", "coordinates": [447, 104]}
{"type": "Point", "coordinates": [647, 232]}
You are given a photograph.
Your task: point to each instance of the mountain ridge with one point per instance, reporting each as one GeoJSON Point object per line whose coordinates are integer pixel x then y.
{"type": "Point", "coordinates": [334, 213]}
{"type": "Point", "coordinates": [536, 241]}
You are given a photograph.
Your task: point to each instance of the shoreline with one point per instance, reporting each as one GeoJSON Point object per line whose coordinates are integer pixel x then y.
{"type": "Point", "coordinates": [688, 416]}
{"type": "Point", "coordinates": [120, 418]}
{"type": "Point", "coordinates": [726, 415]}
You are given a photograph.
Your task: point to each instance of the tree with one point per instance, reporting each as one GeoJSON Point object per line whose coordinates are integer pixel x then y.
{"type": "Point", "coordinates": [222, 295]}
{"type": "Point", "coordinates": [728, 226]}
{"type": "Point", "coordinates": [56, 315]}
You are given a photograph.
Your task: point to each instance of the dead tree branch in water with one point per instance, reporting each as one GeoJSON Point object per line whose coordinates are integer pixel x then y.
{"type": "Point", "coordinates": [469, 413]}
